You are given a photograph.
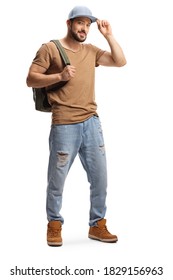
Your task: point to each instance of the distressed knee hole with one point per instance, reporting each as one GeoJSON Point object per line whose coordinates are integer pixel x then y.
{"type": "Point", "coordinates": [102, 149]}
{"type": "Point", "coordinates": [62, 159]}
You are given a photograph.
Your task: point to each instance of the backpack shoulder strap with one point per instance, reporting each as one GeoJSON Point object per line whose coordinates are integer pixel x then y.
{"type": "Point", "coordinates": [62, 52]}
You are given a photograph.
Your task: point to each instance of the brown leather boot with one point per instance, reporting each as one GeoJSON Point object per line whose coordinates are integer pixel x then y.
{"type": "Point", "coordinates": [100, 232]}
{"type": "Point", "coordinates": [54, 233]}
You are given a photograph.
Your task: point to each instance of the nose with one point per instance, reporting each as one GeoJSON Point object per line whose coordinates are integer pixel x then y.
{"type": "Point", "coordinates": [85, 28]}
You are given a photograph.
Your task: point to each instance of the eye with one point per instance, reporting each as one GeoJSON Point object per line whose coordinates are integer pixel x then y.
{"type": "Point", "coordinates": [80, 22]}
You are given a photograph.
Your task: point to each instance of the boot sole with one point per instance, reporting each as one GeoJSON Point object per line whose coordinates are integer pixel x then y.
{"type": "Point", "coordinates": [54, 244]}
{"type": "Point", "coordinates": [103, 240]}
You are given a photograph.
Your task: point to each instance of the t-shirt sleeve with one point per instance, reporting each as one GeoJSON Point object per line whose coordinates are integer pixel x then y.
{"type": "Point", "coordinates": [42, 57]}
{"type": "Point", "coordinates": [98, 53]}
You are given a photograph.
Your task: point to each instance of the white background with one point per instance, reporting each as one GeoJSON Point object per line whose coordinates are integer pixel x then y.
{"type": "Point", "coordinates": [135, 106]}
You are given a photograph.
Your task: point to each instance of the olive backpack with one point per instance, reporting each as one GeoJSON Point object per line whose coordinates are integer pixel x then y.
{"type": "Point", "coordinates": [40, 94]}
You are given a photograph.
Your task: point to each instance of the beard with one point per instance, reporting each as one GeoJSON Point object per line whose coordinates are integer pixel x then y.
{"type": "Point", "coordinates": [77, 37]}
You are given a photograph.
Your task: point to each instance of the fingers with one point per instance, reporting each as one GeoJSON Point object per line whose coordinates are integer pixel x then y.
{"type": "Point", "coordinates": [68, 72]}
{"type": "Point", "coordinates": [104, 27]}
{"type": "Point", "coordinates": [102, 23]}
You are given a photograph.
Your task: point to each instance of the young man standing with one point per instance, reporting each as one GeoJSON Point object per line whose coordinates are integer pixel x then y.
{"type": "Point", "coordinates": [76, 127]}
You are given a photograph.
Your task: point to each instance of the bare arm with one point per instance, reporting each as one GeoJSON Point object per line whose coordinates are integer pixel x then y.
{"type": "Point", "coordinates": [116, 56]}
{"type": "Point", "coordinates": [37, 77]}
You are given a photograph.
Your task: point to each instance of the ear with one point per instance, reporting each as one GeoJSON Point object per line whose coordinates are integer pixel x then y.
{"type": "Point", "coordinates": [68, 22]}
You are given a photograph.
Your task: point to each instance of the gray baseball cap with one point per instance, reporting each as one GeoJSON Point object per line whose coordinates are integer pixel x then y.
{"type": "Point", "coordinates": [81, 11]}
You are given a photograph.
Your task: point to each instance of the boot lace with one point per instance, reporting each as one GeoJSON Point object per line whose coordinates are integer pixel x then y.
{"type": "Point", "coordinates": [54, 232]}
{"type": "Point", "coordinates": [104, 230]}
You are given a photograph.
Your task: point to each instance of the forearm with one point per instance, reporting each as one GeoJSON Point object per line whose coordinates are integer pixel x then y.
{"type": "Point", "coordinates": [38, 80]}
{"type": "Point", "coordinates": [116, 50]}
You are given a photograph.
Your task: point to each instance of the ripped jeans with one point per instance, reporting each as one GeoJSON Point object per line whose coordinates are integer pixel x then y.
{"type": "Point", "coordinates": [66, 141]}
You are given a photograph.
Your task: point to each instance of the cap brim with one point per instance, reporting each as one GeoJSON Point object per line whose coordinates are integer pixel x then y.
{"type": "Point", "coordinates": [93, 19]}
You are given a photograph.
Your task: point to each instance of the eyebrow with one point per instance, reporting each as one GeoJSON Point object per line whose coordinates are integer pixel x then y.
{"type": "Point", "coordinates": [80, 19]}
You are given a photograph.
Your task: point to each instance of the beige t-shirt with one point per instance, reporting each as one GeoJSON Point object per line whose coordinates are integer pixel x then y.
{"type": "Point", "coordinates": [75, 101]}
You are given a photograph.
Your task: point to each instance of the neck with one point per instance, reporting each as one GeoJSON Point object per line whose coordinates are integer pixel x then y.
{"type": "Point", "coordinates": [70, 43]}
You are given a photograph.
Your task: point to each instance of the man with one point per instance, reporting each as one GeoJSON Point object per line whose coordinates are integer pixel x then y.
{"type": "Point", "coordinates": [76, 126]}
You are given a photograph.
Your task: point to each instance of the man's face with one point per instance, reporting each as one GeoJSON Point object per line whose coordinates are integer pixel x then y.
{"type": "Point", "coordinates": [79, 28]}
